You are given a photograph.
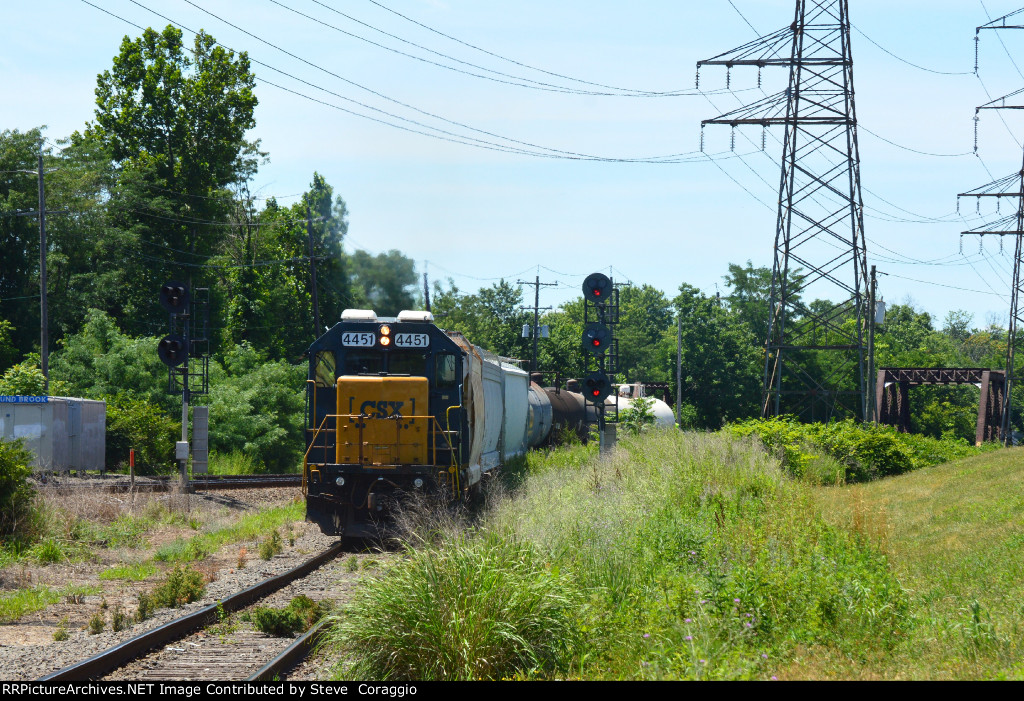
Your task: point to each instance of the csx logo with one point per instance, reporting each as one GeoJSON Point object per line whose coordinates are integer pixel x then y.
{"type": "Point", "coordinates": [381, 409]}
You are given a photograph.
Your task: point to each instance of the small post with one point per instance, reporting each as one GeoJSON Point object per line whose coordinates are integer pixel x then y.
{"type": "Point", "coordinates": [131, 468]}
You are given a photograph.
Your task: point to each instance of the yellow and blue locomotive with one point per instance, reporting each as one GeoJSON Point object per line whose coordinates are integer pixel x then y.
{"type": "Point", "coordinates": [398, 405]}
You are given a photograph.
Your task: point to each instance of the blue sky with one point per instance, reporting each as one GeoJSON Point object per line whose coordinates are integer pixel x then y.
{"type": "Point", "coordinates": [477, 215]}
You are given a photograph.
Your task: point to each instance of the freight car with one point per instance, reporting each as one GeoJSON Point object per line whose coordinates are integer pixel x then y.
{"type": "Point", "coordinates": [396, 406]}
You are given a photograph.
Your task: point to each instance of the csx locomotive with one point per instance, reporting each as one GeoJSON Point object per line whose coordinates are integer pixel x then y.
{"type": "Point", "coordinates": [398, 405]}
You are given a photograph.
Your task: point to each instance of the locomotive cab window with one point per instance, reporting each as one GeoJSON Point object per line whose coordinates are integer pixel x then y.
{"type": "Point", "coordinates": [445, 370]}
{"type": "Point", "coordinates": [408, 364]}
{"type": "Point", "coordinates": [363, 363]}
{"type": "Point", "coordinates": [324, 372]}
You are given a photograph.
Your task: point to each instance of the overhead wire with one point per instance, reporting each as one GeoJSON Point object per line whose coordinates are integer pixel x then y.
{"type": "Point", "coordinates": [506, 78]}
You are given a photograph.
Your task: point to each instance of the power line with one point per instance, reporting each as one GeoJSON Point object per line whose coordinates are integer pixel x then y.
{"type": "Point", "coordinates": [506, 78]}
{"type": "Point", "coordinates": [498, 56]}
{"type": "Point", "coordinates": [903, 60]}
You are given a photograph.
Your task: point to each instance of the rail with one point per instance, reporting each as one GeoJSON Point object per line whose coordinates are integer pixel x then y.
{"type": "Point", "coordinates": [119, 655]}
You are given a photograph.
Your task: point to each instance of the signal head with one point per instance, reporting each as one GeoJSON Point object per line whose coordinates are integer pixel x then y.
{"type": "Point", "coordinates": [172, 350]}
{"type": "Point", "coordinates": [596, 338]}
{"type": "Point", "coordinates": [174, 297]}
{"type": "Point", "coordinates": [597, 288]}
{"type": "Point", "coordinates": [596, 387]}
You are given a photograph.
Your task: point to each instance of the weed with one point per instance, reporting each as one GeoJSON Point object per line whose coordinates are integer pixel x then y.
{"type": "Point", "coordinates": [145, 608]}
{"type": "Point", "coordinates": [299, 616]}
{"type": "Point", "coordinates": [182, 586]}
{"type": "Point", "coordinates": [48, 552]}
{"type": "Point", "coordinates": [61, 634]}
{"type": "Point", "coordinates": [271, 545]}
{"type": "Point", "coordinates": [241, 558]}
{"type": "Point", "coordinates": [118, 618]}
{"type": "Point", "coordinates": [96, 624]}
{"type": "Point", "coordinates": [352, 563]}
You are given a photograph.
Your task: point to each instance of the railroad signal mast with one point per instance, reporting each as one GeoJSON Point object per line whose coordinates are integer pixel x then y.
{"type": "Point", "coordinates": [600, 347]}
{"type": "Point", "coordinates": [187, 338]}
{"type": "Point", "coordinates": [819, 234]}
{"type": "Point", "coordinates": [1010, 187]}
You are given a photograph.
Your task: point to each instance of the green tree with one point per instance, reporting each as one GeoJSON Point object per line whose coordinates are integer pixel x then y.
{"type": "Point", "coordinates": [173, 120]}
{"type": "Point", "coordinates": [24, 379]}
{"type": "Point", "coordinates": [15, 493]}
{"type": "Point", "coordinates": [492, 318]}
{"type": "Point", "coordinates": [386, 281]}
{"type": "Point", "coordinates": [722, 362]}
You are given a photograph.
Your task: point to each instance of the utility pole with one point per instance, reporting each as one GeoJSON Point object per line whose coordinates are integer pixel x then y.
{"type": "Point", "coordinates": [44, 319]}
{"type": "Point", "coordinates": [317, 330]}
{"type": "Point", "coordinates": [819, 250]}
{"type": "Point", "coordinates": [426, 291]}
{"type": "Point", "coordinates": [679, 369]}
{"type": "Point", "coordinates": [537, 284]}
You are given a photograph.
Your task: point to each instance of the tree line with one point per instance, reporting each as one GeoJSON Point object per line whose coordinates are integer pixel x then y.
{"type": "Point", "coordinates": [158, 187]}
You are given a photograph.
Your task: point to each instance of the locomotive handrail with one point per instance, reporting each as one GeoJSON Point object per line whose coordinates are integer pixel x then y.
{"type": "Point", "coordinates": [305, 458]}
{"type": "Point", "coordinates": [455, 475]}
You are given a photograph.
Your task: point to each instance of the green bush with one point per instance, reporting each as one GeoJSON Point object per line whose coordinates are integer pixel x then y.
{"type": "Point", "coordinates": [182, 586]}
{"type": "Point", "coordinates": [134, 423]}
{"type": "Point", "coordinates": [486, 608]}
{"type": "Point", "coordinates": [298, 617]}
{"type": "Point", "coordinates": [16, 495]}
{"type": "Point", "coordinates": [866, 451]}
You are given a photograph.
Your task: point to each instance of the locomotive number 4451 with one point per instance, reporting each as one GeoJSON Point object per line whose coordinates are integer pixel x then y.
{"type": "Point", "coordinates": [412, 340]}
{"type": "Point", "coordinates": [358, 340]}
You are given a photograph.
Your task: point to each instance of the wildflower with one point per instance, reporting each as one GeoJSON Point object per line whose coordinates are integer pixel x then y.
{"type": "Point", "coordinates": [688, 620]}
{"type": "Point", "coordinates": [764, 656]}
{"type": "Point", "coordinates": [735, 601]}
{"type": "Point", "coordinates": [647, 635]}
{"type": "Point", "coordinates": [688, 637]}
{"type": "Point", "coordinates": [703, 661]}
{"type": "Point", "coordinates": [775, 679]}
{"type": "Point", "coordinates": [748, 624]}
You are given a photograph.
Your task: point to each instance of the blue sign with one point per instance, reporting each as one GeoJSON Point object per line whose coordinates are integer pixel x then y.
{"type": "Point", "coordinates": [8, 399]}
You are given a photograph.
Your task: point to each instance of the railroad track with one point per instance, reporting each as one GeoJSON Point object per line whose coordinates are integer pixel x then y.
{"type": "Point", "coordinates": [198, 484]}
{"type": "Point", "coordinates": [186, 654]}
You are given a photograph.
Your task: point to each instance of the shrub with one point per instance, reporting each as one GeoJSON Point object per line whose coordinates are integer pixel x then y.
{"type": "Point", "coordinates": [96, 624]}
{"type": "Point", "coordinates": [134, 423]}
{"type": "Point", "coordinates": [16, 495]}
{"type": "Point", "coordinates": [182, 586]}
{"type": "Point", "coordinates": [477, 608]}
{"type": "Point", "coordinates": [866, 451]}
{"type": "Point", "coordinates": [299, 616]}
{"type": "Point", "coordinates": [638, 417]}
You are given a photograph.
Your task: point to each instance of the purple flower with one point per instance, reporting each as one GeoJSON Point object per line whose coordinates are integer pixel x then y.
{"type": "Point", "coordinates": [748, 624]}
{"type": "Point", "coordinates": [689, 620]}
{"type": "Point", "coordinates": [647, 635]}
{"type": "Point", "coordinates": [764, 656]}
{"type": "Point", "coordinates": [688, 637]}
{"type": "Point", "coordinates": [735, 601]}
{"type": "Point", "coordinates": [703, 661]}
{"type": "Point", "coordinates": [775, 679]}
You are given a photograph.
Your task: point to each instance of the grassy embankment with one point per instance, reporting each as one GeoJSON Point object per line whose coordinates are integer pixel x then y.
{"type": "Point", "coordinates": [688, 556]}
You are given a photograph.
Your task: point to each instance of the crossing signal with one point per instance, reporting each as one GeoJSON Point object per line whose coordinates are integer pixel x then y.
{"type": "Point", "coordinates": [596, 338]}
{"type": "Point", "coordinates": [172, 350]}
{"type": "Point", "coordinates": [597, 387]}
{"type": "Point", "coordinates": [597, 288]}
{"type": "Point", "coordinates": [174, 297]}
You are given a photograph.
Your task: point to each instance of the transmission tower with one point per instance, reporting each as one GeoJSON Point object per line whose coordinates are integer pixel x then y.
{"type": "Point", "coordinates": [816, 355]}
{"type": "Point", "coordinates": [1010, 187]}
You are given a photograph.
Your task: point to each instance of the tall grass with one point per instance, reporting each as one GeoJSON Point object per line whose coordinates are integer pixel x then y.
{"type": "Point", "coordinates": [680, 556]}
{"type": "Point", "coordinates": [484, 607]}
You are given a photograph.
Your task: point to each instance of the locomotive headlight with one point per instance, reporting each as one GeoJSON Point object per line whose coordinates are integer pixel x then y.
{"type": "Point", "coordinates": [417, 483]}
{"type": "Point", "coordinates": [340, 481]}
{"type": "Point", "coordinates": [385, 340]}
{"type": "Point", "coordinates": [385, 330]}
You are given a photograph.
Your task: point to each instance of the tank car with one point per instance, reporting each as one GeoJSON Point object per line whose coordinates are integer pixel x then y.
{"type": "Point", "coordinates": [396, 406]}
